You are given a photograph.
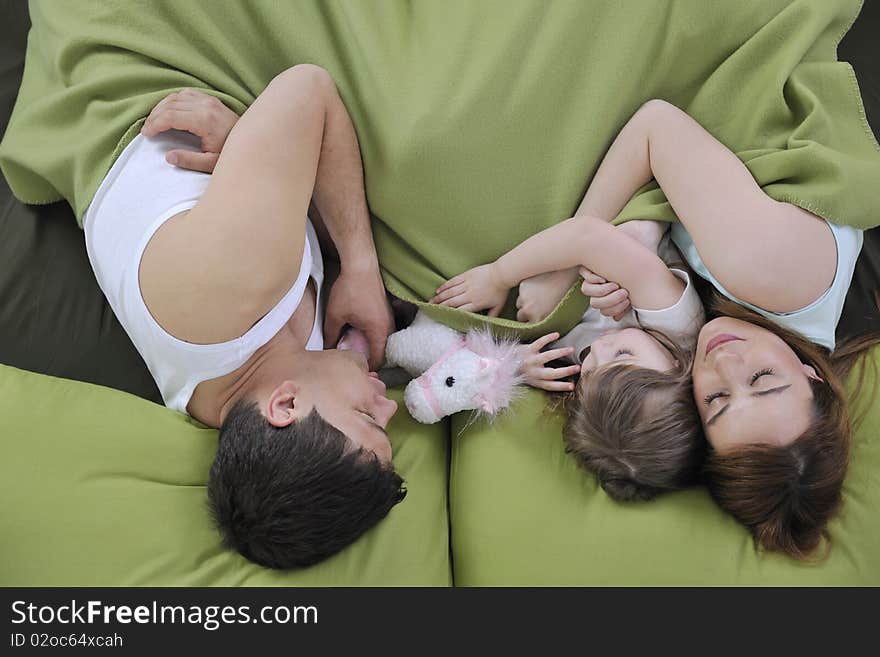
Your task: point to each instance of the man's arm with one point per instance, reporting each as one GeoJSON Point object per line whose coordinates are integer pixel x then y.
{"type": "Point", "coordinates": [339, 196]}
{"type": "Point", "coordinates": [357, 297]}
{"type": "Point", "coordinates": [237, 251]}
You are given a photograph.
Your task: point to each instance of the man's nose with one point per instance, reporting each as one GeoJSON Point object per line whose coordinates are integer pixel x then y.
{"type": "Point", "coordinates": [389, 408]}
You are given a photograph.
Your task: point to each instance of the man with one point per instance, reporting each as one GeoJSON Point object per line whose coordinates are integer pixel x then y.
{"type": "Point", "coordinates": [217, 279]}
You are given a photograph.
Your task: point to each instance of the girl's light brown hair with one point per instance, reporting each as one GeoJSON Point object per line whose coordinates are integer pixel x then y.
{"type": "Point", "coordinates": [786, 495]}
{"type": "Point", "coordinates": [637, 429]}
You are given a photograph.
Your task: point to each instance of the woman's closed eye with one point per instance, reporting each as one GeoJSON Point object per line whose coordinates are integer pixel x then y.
{"type": "Point", "coordinates": [623, 352]}
{"type": "Point", "coordinates": [708, 399]}
{"type": "Point", "coordinates": [757, 375]}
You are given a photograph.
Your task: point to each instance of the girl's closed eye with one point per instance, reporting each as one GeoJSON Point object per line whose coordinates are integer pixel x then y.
{"type": "Point", "coordinates": [708, 399]}
{"type": "Point", "coordinates": [622, 352]}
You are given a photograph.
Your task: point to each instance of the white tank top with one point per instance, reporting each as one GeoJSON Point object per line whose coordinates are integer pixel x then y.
{"type": "Point", "coordinates": [818, 321]}
{"type": "Point", "coordinates": [140, 192]}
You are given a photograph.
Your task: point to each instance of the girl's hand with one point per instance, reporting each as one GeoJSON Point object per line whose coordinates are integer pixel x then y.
{"type": "Point", "coordinates": [474, 290]}
{"type": "Point", "coordinates": [535, 370]}
{"type": "Point", "coordinates": [540, 294]}
{"type": "Point", "coordinates": [607, 297]}
{"type": "Point", "coordinates": [198, 113]}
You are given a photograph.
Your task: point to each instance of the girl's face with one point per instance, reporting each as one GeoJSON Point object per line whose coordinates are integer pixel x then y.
{"type": "Point", "coordinates": [630, 346]}
{"type": "Point", "coordinates": [749, 386]}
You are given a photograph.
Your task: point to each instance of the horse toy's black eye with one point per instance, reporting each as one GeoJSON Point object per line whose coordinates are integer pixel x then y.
{"type": "Point", "coordinates": [450, 381]}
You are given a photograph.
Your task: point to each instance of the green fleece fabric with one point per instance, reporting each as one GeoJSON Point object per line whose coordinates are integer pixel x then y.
{"type": "Point", "coordinates": [480, 123]}
{"type": "Point", "coordinates": [524, 514]}
{"type": "Point", "coordinates": [102, 488]}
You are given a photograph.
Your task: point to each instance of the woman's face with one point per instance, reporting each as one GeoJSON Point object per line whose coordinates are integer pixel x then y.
{"type": "Point", "coordinates": [749, 385]}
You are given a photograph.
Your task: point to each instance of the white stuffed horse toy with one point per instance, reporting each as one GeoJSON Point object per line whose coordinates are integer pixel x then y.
{"type": "Point", "coordinates": [456, 372]}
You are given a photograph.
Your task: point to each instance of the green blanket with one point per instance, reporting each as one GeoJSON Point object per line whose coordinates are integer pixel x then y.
{"type": "Point", "coordinates": [480, 122]}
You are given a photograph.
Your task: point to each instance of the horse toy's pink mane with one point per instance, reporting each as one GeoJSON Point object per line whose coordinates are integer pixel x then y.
{"type": "Point", "coordinates": [455, 372]}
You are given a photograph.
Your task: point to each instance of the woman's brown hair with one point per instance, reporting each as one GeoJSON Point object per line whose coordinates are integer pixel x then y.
{"type": "Point", "coordinates": [637, 429]}
{"type": "Point", "coordinates": [786, 495]}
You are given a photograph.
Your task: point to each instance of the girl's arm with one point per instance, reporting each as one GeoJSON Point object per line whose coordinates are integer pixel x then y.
{"type": "Point", "coordinates": [580, 241]}
{"type": "Point", "coordinates": [744, 237]}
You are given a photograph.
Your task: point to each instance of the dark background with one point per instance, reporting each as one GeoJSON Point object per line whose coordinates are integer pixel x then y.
{"type": "Point", "coordinates": [55, 320]}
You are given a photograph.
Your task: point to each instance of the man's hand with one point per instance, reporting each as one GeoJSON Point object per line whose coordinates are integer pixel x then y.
{"type": "Point", "coordinates": [196, 112]}
{"type": "Point", "coordinates": [540, 294]}
{"type": "Point", "coordinates": [535, 370]}
{"type": "Point", "coordinates": [358, 299]}
{"type": "Point", "coordinates": [474, 290]}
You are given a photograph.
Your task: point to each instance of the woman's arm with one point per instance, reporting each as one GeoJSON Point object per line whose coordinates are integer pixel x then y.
{"type": "Point", "coordinates": [579, 241]}
{"type": "Point", "coordinates": [744, 237]}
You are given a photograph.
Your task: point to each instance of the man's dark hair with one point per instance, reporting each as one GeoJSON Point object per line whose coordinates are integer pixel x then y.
{"type": "Point", "coordinates": [287, 497]}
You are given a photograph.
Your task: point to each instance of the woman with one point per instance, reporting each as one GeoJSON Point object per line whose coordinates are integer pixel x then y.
{"type": "Point", "coordinates": [766, 383]}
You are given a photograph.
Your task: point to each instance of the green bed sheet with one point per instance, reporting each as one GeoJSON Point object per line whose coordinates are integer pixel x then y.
{"type": "Point", "coordinates": [524, 514]}
{"type": "Point", "coordinates": [101, 488]}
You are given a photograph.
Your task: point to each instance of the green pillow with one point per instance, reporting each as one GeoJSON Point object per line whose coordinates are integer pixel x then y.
{"type": "Point", "coordinates": [523, 513]}
{"type": "Point", "coordinates": [101, 488]}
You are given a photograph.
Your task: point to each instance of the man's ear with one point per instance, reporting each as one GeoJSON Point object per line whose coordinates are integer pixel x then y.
{"type": "Point", "coordinates": [811, 373]}
{"type": "Point", "coordinates": [282, 409]}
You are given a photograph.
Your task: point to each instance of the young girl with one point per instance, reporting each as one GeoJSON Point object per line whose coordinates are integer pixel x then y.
{"type": "Point", "coordinates": [634, 423]}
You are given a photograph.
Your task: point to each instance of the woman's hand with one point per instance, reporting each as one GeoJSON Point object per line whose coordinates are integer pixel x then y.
{"type": "Point", "coordinates": [196, 112]}
{"type": "Point", "coordinates": [605, 296]}
{"type": "Point", "coordinates": [540, 294]}
{"type": "Point", "coordinates": [474, 290]}
{"type": "Point", "coordinates": [535, 370]}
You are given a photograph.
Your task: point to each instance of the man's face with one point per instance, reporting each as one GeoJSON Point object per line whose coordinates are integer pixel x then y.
{"type": "Point", "coordinates": [346, 395]}
{"type": "Point", "coordinates": [355, 402]}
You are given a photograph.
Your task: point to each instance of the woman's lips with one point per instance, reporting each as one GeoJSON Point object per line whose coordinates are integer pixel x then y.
{"type": "Point", "coordinates": [719, 340]}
